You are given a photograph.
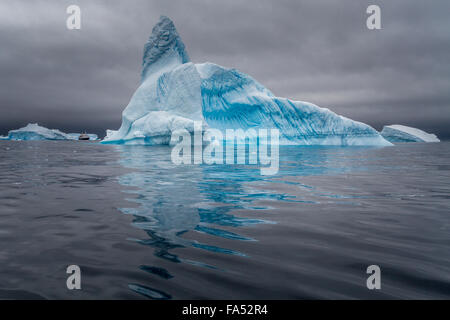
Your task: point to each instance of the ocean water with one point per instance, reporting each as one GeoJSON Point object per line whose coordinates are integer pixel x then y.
{"type": "Point", "coordinates": [141, 227]}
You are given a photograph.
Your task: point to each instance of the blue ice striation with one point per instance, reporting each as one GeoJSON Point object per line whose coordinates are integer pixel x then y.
{"type": "Point", "coordinates": [174, 92]}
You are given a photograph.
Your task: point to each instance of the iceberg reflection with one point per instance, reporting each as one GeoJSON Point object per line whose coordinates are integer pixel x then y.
{"type": "Point", "coordinates": [173, 201]}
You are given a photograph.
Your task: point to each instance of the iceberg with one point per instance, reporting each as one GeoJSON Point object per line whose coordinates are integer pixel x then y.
{"type": "Point", "coordinates": [174, 93]}
{"type": "Point", "coordinates": [33, 131]}
{"type": "Point", "coordinates": [399, 133]}
{"type": "Point", "coordinates": [74, 136]}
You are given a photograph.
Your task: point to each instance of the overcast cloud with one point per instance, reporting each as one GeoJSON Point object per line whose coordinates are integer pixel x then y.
{"type": "Point", "coordinates": [318, 51]}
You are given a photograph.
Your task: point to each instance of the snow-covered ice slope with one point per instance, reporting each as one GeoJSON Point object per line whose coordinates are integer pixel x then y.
{"type": "Point", "coordinates": [174, 93]}
{"type": "Point", "coordinates": [400, 133]}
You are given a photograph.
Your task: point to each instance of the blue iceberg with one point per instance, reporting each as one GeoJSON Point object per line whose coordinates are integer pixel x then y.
{"type": "Point", "coordinates": [75, 136]}
{"type": "Point", "coordinates": [399, 133]}
{"type": "Point", "coordinates": [174, 93]}
{"type": "Point", "coordinates": [33, 131]}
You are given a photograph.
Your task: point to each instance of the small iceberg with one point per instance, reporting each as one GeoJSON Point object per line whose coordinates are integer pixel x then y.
{"type": "Point", "coordinates": [76, 136]}
{"type": "Point", "coordinates": [33, 131]}
{"type": "Point", "coordinates": [399, 133]}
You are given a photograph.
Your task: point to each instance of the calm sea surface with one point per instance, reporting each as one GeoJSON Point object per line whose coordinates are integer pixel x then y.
{"type": "Point", "coordinates": [141, 227]}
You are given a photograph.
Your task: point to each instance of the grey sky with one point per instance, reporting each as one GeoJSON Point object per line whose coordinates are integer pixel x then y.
{"type": "Point", "coordinates": [318, 51]}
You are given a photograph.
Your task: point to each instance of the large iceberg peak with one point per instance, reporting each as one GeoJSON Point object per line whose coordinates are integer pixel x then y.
{"type": "Point", "coordinates": [163, 49]}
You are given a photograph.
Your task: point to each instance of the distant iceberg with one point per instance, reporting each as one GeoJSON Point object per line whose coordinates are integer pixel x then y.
{"type": "Point", "coordinates": [75, 136]}
{"type": "Point", "coordinates": [33, 131]}
{"type": "Point", "coordinates": [398, 133]}
{"type": "Point", "coordinates": [175, 92]}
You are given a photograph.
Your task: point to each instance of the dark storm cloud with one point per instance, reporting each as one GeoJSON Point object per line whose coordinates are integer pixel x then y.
{"type": "Point", "coordinates": [319, 51]}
